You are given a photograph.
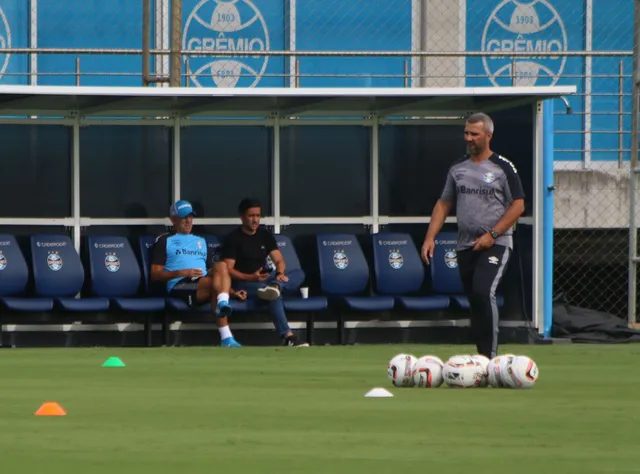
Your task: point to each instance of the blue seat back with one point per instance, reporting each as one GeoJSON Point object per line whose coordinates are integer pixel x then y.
{"type": "Point", "coordinates": [397, 264]}
{"type": "Point", "coordinates": [288, 252]}
{"type": "Point", "coordinates": [145, 244]}
{"type": "Point", "coordinates": [14, 272]}
{"type": "Point", "coordinates": [343, 267]}
{"type": "Point", "coordinates": [57, 269]}
{"type": "Point", "coordinates": [445, 276]}
{"type": "Point", "coordinates": [214, 248]}
{"type": "Point", "coordinates": [113, 266]}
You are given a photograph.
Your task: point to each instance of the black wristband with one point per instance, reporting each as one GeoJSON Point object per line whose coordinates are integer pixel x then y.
{"type": "Point", "coordinates": [279, 273]}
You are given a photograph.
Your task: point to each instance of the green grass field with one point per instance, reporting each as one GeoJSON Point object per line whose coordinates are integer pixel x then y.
{"type": "Point", "coordinates": [280, 410]}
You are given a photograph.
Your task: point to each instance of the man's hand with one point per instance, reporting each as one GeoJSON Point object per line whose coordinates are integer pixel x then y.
{"type": "Point", "coordinates": [190, 273]}
{"type": "Point", "coordinates": [485, 241]}
{"type": "Point", "coordinates": [240, 294]}
{"type": "Point", "coordinates": [282, 277]}
{"type": "Point", "coordinates": [427, 250]}
{"type": "Point", "coordinates": [260, 275]}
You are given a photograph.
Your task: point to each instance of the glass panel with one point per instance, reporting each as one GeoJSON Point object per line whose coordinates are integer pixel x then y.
{"type": "Point", "coordinates": [222, 165]}
{"type": "Point", "coordinates": [36, 171]}
{"type": "Point", "coordinates": [125, 171]}
{"type": "Point", "coordinates": [325, 171]}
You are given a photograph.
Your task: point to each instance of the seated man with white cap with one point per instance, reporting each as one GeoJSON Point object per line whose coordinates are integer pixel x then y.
{"type": "Point", "coordinates": [181, 260]}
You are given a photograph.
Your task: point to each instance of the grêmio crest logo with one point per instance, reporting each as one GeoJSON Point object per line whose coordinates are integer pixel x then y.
{"type": "Point", "coordinates": [226, 25]}
{"type": "Point", "coordinates": [5, 42]}
{"type": "Point", "coordinates": [531, 26]}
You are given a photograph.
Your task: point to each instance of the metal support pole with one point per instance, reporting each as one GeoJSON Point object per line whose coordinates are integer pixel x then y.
{"type": "Point", "coordinates": [176, 40]}
{"type": "Point", "coordinates": [374, 175]}
{"type": "Point", "coordinates": [176, 160]}
{"type": "Point", "coordinates": [633, 184]}
{"type": "Point", "coordinates": [276, 175]}
{"type": "Point", "coordinates": [75, 182]}
{"type": "Point", "coordinates": [147, 78]}
{"type": "Point", "coordinates": [424, 46]}
{"type": "Point", "coordinates": [620, 113]}
{"type": "Point", "coordinates": [588, 80]}
{"type": "Point", "coordinates": [146, 20]}
{"type": "Point", "coordinates": [33, 42]}
{"type": "Point", "coordinates": [406, 74]}
{"type": "Point", "coordinates": [77, 70]}
{"type": "Point", "coordinates": [293, 60]}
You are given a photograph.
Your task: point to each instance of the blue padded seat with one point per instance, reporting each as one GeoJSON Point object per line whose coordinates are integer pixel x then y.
{"type": "Point", "coordinates": [58, 273]}
{"type": "Point", "coordinates": [214, 247]}
{"type": "Point", "coordinates": [292, 302]}
{"type": "Point", "coordinates": [14, 272]}
{"type": "Point", "coordinates": [344, 272]}
{"type": "Point", "coordinates": [400, 272]}
{"type": "Point", "coordinates": [115, 274]}
{"type": "Point", "coordinates": [369, 303]}
{"type": "Point", "coordinates": [302, 305]}
{"type": "Point", "coordinates": [28, 305]}
{"type": "Point", "coordinates": [14, 275]}
{"type": "Point", "coordinates": [145, 244]}
{"type": "Point", "coordinates": [424, 303]}
{"type": "Point", "coordinates": [296, 303]}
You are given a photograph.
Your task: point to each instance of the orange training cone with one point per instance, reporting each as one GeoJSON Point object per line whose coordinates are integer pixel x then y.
{"type": "Point", "coordinates": [50, 409]}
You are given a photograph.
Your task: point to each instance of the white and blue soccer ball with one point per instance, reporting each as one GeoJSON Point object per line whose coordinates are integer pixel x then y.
{"type": "Point", "coordinates": [427, 372]}
{"type": "Point", "coordinates": [400, 370]}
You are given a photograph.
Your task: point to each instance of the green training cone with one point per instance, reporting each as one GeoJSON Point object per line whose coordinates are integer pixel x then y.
{"type": "Point", "coordinates": [113, 362]}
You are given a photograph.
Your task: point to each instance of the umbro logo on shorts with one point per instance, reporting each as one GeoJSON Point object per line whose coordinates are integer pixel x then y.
{"type": "Point", "coordinates": [494, 260]}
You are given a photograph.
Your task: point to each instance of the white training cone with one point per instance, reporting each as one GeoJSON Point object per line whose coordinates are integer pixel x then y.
{"type": "Point", "coordinates": [378, 392]}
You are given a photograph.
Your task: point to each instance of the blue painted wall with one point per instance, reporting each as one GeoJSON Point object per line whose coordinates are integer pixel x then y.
{"type": "Point", "coordinates": [89, 24]}
{"type": "Point", "coordinates": [553, 25]}
{"type": "Point", "coordinates": [246, 25]}
{"type": "Point", "coordinates": [14, 33]}
{"type": "Point", "coordinates": [258, 25]}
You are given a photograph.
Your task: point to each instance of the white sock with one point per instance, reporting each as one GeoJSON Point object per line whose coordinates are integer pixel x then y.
{"type": "Point", "coordinates": [225, 332]}
{"type": "Point", "coordinates": [223, 297]}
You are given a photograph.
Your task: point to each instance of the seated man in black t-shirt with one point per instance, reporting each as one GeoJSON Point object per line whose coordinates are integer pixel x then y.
{"type": "Point", "coordinates": [257, 266]}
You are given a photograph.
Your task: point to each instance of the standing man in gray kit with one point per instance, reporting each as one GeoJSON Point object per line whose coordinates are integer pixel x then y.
{"type": "Point", "coordinates": [487, 193]}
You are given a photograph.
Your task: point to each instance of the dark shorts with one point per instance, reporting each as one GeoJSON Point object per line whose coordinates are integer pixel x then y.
{"type": "Point", "coordinates": [186, 289]}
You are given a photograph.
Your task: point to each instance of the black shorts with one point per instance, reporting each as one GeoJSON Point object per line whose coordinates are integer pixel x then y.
{"type": "Point", "coordinates": [186, 289]}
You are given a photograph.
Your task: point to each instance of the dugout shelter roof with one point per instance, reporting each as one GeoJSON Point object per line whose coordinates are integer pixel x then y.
{"type": "Point", "coordinates": [136, 102]}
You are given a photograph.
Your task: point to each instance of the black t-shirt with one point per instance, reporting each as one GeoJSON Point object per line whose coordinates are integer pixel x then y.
{"type": "Point", "coordinates": [249, 251]}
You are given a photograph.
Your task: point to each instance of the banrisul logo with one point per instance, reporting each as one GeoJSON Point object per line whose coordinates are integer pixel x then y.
{"type": "Point", "coordinates": [226, 25]}
{"type": "Point", "coordinates": [5, 42]}
{"type": "Point", "coordinates": [532, 26]}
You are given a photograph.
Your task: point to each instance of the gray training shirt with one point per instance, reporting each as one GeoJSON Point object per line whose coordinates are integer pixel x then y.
{"type": "Point", "coordinates": [482, 192]}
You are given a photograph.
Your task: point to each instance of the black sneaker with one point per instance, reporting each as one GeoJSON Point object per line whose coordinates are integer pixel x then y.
{"type": "Point", "coordinates": [292, 341]}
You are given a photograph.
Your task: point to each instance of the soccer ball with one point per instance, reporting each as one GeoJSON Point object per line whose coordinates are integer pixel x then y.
{"type": "Point", "coordinates": [523, 372]}
{"type": "Point", "coordinates": [505, 374]}
{"type": "Point", "coordinates": [483, 363]}
{"type": "Point", "coordinates": [462, 371]}
{"type": "Point", "coordinates": [427, 372]}
{"type": "Point", "coordinates": [493, 372]}
{"type": "Point", "coordinates": [400, 370]}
